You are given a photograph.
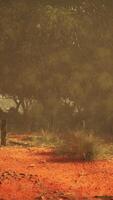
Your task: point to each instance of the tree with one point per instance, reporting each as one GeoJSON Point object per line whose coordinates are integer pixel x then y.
{"type": "Point", "coordinates": [54, 50]}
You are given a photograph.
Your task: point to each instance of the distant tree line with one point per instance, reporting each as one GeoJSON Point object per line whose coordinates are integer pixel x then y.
{"type": "Point", "coordinates": [56, 63]}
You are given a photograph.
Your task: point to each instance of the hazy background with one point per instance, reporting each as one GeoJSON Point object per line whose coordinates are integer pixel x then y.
{"type": "Point", "coordinates": [56, 65]}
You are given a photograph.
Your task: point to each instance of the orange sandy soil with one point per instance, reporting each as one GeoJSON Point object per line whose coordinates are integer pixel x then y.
{"type": "Point", "coordinates": [39, 174]}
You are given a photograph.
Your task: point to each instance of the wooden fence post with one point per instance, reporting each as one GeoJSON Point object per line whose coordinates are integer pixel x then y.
{"type": "Point", "coordinates": [3, 132]}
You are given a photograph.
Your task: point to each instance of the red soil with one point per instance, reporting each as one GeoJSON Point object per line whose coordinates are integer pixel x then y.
{"type": "Point", "coordinates": [38, 174]}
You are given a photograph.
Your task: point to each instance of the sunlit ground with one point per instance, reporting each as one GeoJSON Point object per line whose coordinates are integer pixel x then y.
{"type": "Point", "coordinates": [39, 173]}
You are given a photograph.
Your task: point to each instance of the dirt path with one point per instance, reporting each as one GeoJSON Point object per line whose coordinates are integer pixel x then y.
{"type": "Point", "coordinates": [38, 174]}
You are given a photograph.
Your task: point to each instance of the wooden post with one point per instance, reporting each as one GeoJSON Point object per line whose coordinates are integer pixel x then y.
{"type": "Point", "coordinates": [3, 132]}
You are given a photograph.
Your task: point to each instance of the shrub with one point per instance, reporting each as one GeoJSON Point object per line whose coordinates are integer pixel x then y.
{"type": "Point", "coordinates": [80, 145]}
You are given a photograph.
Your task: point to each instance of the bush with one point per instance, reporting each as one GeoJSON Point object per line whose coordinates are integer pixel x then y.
{"type": "Point", "coordinates": [80, 145]}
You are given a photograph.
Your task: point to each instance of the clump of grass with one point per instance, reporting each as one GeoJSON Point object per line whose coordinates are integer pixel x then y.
{"type": "Point", "coordinates": [44, 138]}
{"type": "Point", "coordinates": [82, 146]}
{"type": "Point", "coordinates": [49, 139]}
{"type": "Point", "coordinates": [104, 151]}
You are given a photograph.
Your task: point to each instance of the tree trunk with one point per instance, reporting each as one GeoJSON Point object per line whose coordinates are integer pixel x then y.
{"type": "Point", "coordinates": [3, 132]}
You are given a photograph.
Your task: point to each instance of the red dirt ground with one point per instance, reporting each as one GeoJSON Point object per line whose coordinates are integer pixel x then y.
{"type": "Point", "coordinates": [38, 174]}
